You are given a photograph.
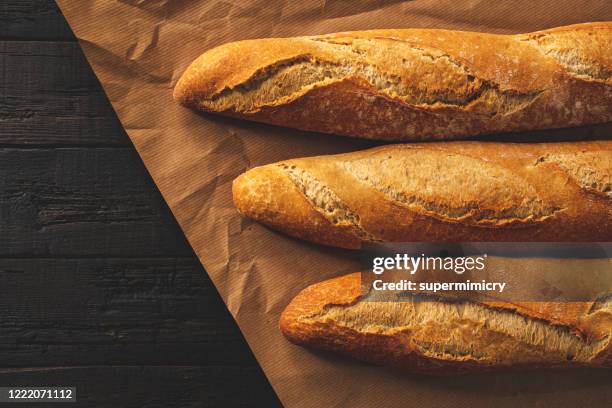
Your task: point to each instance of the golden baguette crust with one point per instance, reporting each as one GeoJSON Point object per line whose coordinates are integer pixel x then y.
{"type": "Point", "coordinates": [441, 337]}
{"type": "Point", "coordinates": [410, 84]}
{"type": "Point", "coordinates": [452, 191]}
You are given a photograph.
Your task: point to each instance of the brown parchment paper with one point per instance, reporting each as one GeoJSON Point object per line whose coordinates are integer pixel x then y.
{"type": "Point", "coordinates": [138, 50]}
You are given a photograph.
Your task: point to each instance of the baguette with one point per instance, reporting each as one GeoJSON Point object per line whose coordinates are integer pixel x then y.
{"type": "Point", "coordinates": [410, 84]}
{"type": "Point", "coordinates": [443, 337]}
{"type": "Point", "coordinates": [449, 192]}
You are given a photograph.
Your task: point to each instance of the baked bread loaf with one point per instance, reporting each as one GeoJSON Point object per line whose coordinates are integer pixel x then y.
{"type": "Point", "coordinates": [449, 336]}
{"type": "Point", "coordinates": [410, 84]}
{"type": "Point", "coordinates": [451, 191]}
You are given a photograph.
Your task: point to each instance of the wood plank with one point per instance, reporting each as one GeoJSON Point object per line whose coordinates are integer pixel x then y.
{"type": "Point", "coordinates": [68, 312]}
{"type": "Point", "coordinates": [158, 313]}
{"type": "Point", "coordinates": [33, 19]}
{"type": "Point", "coordinates": [83, 202]}
{"type": "Point", "coordinates": [152, 387]}
{"type": "Point", "coordinates": [49, 95]}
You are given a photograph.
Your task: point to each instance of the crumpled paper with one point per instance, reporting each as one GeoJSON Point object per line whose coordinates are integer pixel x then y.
{"type": "Point", "coordinates": [139, 48]}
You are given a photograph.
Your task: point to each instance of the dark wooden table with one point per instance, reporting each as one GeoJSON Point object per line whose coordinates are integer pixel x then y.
{"type": "Point", "coordinates": [98, 287]}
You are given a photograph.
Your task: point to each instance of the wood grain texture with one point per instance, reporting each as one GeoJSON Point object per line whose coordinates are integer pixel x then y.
{"type": "Point", "coordinates": [33, 20]}
{"type": "Point", "coordinates": [151, 387]}
{"type": "Point", "coordinates": [83, 202]}
{"type": "Point", "coordinates": [50, 96]}
{"type": "Point", "coordinates": [136, 311]}
{"type": "Point", "coordinates": [98, 286]}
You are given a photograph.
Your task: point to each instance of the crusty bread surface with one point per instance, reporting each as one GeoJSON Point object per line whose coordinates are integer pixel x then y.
{"type": "Point", "coordinates": [446, 337]}
{"type": "Point", "coordinates": [410, 84]}
{"type": "Point", "coordinates": [437, 192]}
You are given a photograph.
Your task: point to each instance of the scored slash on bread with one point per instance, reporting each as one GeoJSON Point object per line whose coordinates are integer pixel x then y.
{"type": "Point", "coordinates": [410, 84]}
{"type": "Point", "coordinates": [444, 337]}
{"type": "Point", "coordinates": [452, 192]}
